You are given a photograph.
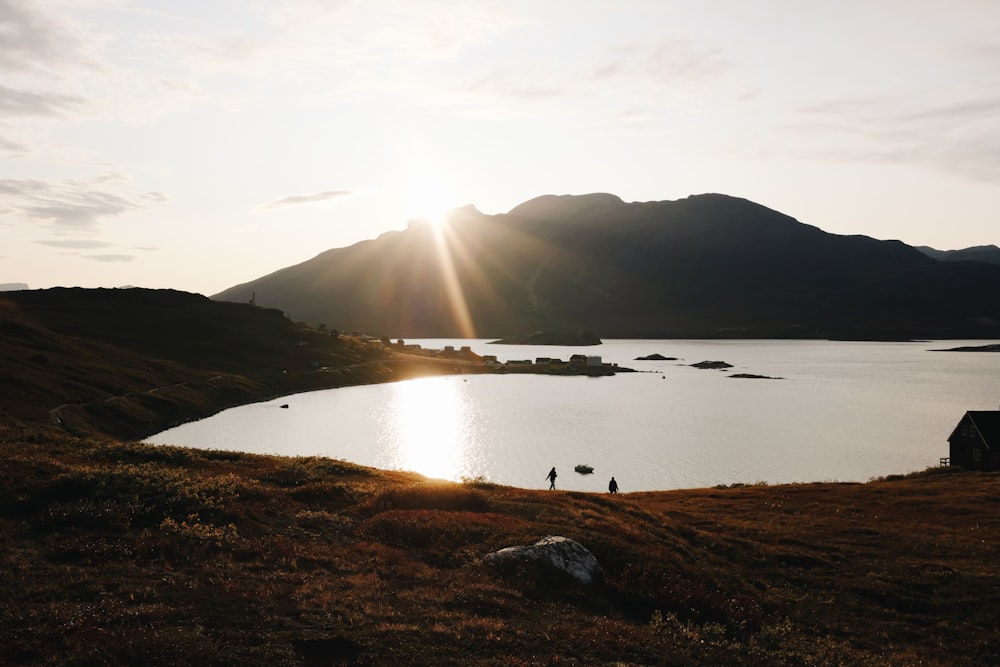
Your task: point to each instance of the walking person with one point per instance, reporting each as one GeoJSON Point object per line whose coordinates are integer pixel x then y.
{"type": "Point", "coordinates": [552, 478]}
{"type": "Point", "coordinates": [612, 486]}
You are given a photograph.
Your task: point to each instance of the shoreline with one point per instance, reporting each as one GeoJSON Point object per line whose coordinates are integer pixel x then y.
{"type": "Point", "coordinates": [140, 415]}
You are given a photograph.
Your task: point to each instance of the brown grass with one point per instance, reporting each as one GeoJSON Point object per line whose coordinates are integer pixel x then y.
{"type": "Point", "coordinates": [122, 553]}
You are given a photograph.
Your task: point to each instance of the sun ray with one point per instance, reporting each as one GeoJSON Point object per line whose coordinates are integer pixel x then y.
{"type": "Point", "coordinates": [453, 286]}
{"type": "Point", "coordinates": [430, 201]}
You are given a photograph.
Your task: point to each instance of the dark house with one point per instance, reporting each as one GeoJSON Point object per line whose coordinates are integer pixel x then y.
{"type": "Point", "coordinates": [975, 442]}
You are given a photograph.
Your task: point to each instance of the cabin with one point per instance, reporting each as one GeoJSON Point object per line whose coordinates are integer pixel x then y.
{"type": "Point", "coordinates": [975, 442]}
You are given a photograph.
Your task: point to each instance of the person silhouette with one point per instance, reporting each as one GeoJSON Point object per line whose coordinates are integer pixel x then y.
{"type": "Point", "coordinates": [552, 478]}
{"type": "Point", "coordinates": [612, 486]}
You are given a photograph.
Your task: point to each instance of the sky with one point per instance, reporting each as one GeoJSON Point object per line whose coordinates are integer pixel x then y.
{"type": "Point", "coordinates": [198, 145]}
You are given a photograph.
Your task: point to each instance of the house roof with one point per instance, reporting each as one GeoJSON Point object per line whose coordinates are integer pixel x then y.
{"type": "Point", "coordinates": [987, 422]}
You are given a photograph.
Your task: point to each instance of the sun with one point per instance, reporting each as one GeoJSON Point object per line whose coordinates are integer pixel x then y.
{"type": "Point", "coordinates": [430, 198]}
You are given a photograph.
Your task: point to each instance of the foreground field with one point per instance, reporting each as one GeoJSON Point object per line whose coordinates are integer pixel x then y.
{"type": "Point", "coordinates": [121, 553]}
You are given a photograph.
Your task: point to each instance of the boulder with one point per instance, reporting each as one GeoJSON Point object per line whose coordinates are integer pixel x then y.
{"type": "Point", "coordinates": [561, 553]}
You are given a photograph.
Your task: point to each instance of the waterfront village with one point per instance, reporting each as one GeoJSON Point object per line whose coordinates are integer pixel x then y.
{"type": "Point", "coordinates": [578, 364]}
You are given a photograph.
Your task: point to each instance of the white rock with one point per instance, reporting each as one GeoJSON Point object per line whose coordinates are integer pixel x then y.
{"type": "Point", "coordinates": [560, 552]}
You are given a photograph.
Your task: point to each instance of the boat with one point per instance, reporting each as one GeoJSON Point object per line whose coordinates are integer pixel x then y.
{"type": "Point", "coordinates": [583, 469]}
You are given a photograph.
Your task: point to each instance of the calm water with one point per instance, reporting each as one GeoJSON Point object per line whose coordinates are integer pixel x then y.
{"type": "Point", "coordinates": [841, 412]}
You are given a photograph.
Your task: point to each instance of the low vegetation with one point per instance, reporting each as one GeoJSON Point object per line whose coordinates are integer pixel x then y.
{"type": "Point", "coordinates": [115, 552]}
{"type": "Point", "coordinates": [124, 553]}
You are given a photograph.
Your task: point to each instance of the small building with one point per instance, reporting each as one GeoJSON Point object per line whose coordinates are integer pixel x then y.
{"type": "Point", "coordinates": [593, 361]}
{"type": "Point", "coordinates": [975, 442]}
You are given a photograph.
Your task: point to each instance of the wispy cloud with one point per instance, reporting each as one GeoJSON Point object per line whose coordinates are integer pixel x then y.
{"type": "Point", "coordinates": [68, 206]}
{"type": "Point", "coordinates": [314, 198]}
{"type": "Point", "coordinates": [958, 136]}
{"type": "Point", "coordinates": [14, 148]}
{"type": "Point", "coordinates": [14, 102]}
{"type": "Point", "coordinates": [34, 39]}
{"type": "Point", "coordinates": [110, 257]}
{"type": "Point", "coordinates": [74, 243]}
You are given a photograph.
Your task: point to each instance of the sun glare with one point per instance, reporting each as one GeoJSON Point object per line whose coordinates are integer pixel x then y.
{"type": "Point", "coordinates": [429, 428]}
{"type": "Point", "coordinates": [430, 198]}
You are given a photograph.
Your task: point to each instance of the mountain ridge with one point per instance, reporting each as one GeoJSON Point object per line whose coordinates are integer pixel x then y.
{"type": "Point", "coordinates": [704, 266]}
{"type": "Point", "coordinates": [981, 253]}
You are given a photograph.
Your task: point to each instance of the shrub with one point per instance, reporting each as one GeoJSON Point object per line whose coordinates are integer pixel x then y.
{"type": "Point", "coordinates": [449, 497]}
{"type": "Point", "coordinates": [136, 494]}
{"type": "Point", "coordinates": [299, 471]}
{"type": "Point", "coordinates": [696, 600]}
{"type": "Point", "coordinates": [137, 452]}
{"type": "Point", "coordinates": [422, 528]}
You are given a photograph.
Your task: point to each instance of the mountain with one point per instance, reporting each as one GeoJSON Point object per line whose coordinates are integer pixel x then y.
{"type": "Point", "coordinates": [980, 253]}
{"type": "Point", "coordinates": [704, 266]}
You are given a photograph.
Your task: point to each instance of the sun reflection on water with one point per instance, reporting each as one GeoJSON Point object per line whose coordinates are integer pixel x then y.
{"type": "Point", "coordinates": [427, 424]}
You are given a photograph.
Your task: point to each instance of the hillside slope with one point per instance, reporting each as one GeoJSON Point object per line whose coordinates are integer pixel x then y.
{"type": "Point", "coordinates": [704, 266]}
{"type": "Point", "coordinates": [131, 362]}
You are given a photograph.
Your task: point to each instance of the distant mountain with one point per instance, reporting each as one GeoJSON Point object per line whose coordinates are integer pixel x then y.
{"type": "Point", "coordinates": [705, 266]}
{"type": "Point", "coordinates": [10, 287]}
{"type": "Point", "coordinates": [980, 253]}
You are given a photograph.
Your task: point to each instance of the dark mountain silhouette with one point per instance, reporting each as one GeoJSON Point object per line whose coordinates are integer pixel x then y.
{"type": "Point", "coordinates": [705, 266]}
{"type": "Point", "coordinates": [980, 253]}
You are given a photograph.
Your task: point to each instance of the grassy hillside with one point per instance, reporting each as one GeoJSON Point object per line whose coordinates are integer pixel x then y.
{"type": "Point", "coordinates": [133, 362]}
{"type": "Point", "coordinates": [115, 552]}
{"type": "Point", "coordinates": [120, 553]}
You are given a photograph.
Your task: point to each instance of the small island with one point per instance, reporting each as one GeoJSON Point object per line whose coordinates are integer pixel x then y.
{"type": "Point", "coordinates": [993, 347]}
{"type": "Point", "coordinates": [580, 338]}
{"type": "Point", "coordinates": [712, 365]}
{"type": "Point", "coordinates": [655, 357]}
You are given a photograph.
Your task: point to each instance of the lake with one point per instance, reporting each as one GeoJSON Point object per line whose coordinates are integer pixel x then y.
{"type": "Point", "coordinates": [841, 411]}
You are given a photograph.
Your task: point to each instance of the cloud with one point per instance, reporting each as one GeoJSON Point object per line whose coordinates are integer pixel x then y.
{"type": "Point", "coordinates": [14, 102]}
{"type": "Point", "coordinates": [110, 257]}
{"type": "Point", "coordinates": [315, 198]}
{"type": "Point", "coordinates": [77, 206]}
{"type": "Point", "coordinates": [34, 39]}
{"type": "Point", "coordinates": [14, 148]}
{"type": "Point", "coordinates": [957, 136]}
{"type": "Point", "coordinates": [74, 243]}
